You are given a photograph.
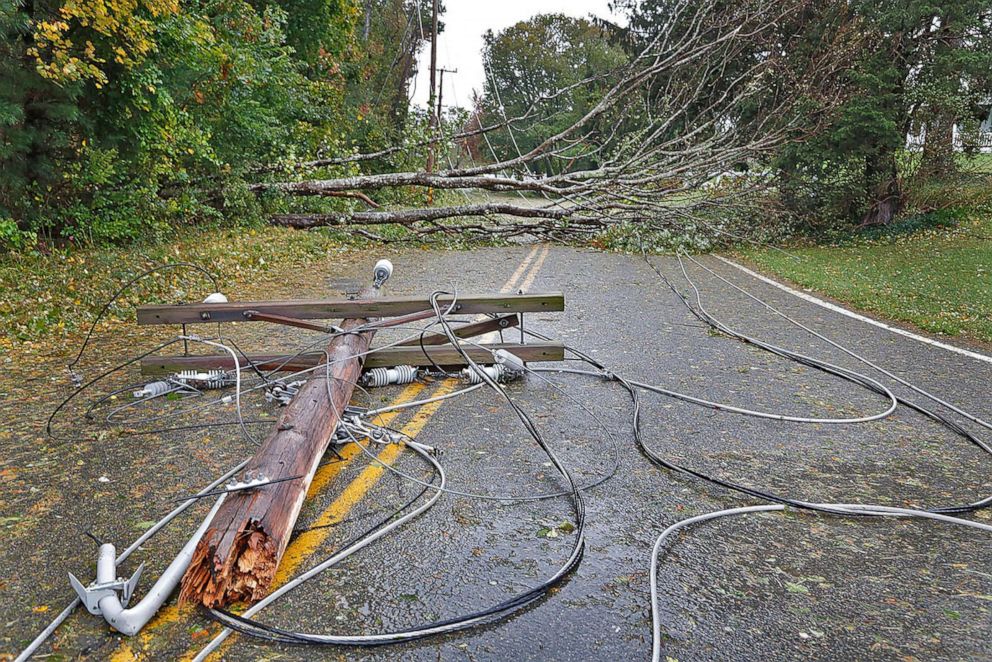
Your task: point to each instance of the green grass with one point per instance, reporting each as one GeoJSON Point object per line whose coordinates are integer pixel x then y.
{"type": "Point", "coordinates": [935, 277]}
{"type": "Point", "coordinates": [54, 297]}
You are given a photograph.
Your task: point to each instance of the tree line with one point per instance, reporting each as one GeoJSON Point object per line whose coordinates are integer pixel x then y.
{"type": "Point", "coordinates": [121, 118]}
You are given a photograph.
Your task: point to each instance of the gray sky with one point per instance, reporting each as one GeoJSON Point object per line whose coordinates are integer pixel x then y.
{"type": "Point", "coordinates": [460, 45]}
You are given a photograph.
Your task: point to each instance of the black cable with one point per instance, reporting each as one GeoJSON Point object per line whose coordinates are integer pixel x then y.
{"type": "Point", "coordinates": [120, 366]}
{"type": "Point", "coordinates": [221, 339]}
{"type": "Point", "coordinates": [714, 323]}
{"type": "Point", "coordinates": [93, 537]}
{"type": "Point", "coordinates": [124, 288]}
{"type": "Point", "coordinates": [204, 495]}
{"type": "Point", "coordinates": [423, 490]}
{"type": "Point", "coordinates": [251, 364]}
{"type": "Point", "coordinates": [198, 426]}
{"type": "Point", "coordinates": [658, 460]}
{"type": "Point", "coordinates": [213, 613]}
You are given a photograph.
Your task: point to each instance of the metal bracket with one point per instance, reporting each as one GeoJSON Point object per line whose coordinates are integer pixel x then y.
{"type": "Point", "coordinates": [92, 595]}
{"type": "Point", "coordinates": [254, 315]}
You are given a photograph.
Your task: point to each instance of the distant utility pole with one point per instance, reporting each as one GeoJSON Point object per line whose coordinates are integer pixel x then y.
{"type": "Point", "coordinates": [440, 90]}
{"type": "Point", "coordinates": [434, 120]}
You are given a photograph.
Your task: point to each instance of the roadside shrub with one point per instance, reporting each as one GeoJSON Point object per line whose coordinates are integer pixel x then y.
{"type": "Point", "coordinates": [14, 238]}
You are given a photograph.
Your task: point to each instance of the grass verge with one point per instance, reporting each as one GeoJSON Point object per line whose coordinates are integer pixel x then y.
{"type": "Point", "coordinates": [935, 276]}
{"type": "Point", "coordinates": [53, 298]}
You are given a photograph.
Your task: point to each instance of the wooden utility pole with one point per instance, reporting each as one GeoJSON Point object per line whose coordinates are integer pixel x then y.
{"type": "Point", "coordinates": [440, 91]}
{"type": "Point", "coordinates": [433, 118]}
{"type": "Point", "coordinates": [237, 557]}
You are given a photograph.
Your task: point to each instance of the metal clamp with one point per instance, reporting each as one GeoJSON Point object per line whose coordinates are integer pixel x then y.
{"type": "Point", "coordinates": [92, 595]}
{"type": "Point", "coordinates": [251, 480]}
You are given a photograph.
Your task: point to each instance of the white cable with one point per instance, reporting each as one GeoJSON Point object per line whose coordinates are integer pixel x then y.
{"type": "Point", "coordinates": [237, 380]}
{"type": "Point", "coordinates": [740, 410]}
{"type": "Point", "coordinates": [893, 404]}
{"type": "Point", "coordinates": [417, 403]}
{"type": "Point", "coordinates": [837, 508]}
{"type": "Point", "coordinates": [655, 615]}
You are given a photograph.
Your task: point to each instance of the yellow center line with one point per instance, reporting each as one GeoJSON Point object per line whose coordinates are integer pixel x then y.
{"type": "Point", "coordinates": [511, 284]}
{"type": "Point", "coordinates": [537, 267]}
{"type": "Point", "coordinates": [306, 544]}
{"type": "Point", "coordinates": [508, 285]}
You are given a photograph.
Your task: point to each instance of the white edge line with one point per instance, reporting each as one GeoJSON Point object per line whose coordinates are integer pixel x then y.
{"type": "Point", "coordinates": [844, 311]}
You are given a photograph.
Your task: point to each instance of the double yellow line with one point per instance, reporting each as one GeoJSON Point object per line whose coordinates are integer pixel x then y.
{"type": "Point", "coordinates": [308, 543]}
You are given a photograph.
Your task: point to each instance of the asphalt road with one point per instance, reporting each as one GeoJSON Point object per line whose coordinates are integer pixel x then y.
{"type": "Point", "coordinates": [770, 586]}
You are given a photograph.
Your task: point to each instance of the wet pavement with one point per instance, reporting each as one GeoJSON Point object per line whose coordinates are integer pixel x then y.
{"type": "Point", "coordinates": [768, 586]}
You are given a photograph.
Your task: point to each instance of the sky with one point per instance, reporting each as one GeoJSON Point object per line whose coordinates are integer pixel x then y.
{"type": "Point", "coordinates": [460, 45]}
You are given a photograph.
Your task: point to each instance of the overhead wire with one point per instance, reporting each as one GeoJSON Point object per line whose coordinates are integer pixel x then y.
{"type": "Point", "coordinates": [513, 497]}
{"type": "Point", "coordinates": [849, 352]}
{"type": "Point", "coordinates": [120, 291]}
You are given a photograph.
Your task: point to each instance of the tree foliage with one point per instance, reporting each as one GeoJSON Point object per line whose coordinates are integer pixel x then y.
{"type": "Point", "coordinates": [917, 67]}
{"type": "Point", "coordinates": [120, 118]}
{"type": "Point", "coordinates": [926, 67]}
{"type": "Point", "coordinates": [529, 64]}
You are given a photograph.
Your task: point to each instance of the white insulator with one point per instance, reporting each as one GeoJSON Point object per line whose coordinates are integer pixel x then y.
{"type": "Point", "coordinates": [401, 374]}
{"type": "Point", "coordinates": [153, 389]}
{"type": "Point", "coordinates": [205, 380]}
{"type": "Point", "coordinates": [495, 372]}
{"type": "Point", "coordinates": [381, 272]}
{"type": "Point", "coordinates": [216, 297]}
{"type": "Point", "coordinates": [512, 362]}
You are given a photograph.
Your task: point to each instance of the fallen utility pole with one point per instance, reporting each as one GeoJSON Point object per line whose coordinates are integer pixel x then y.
{"type": "Point", "coordinates": [237, 557]}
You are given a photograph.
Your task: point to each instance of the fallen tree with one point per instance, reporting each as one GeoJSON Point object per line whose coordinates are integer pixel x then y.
{"type": "Point", "coordinates": [707, 98]}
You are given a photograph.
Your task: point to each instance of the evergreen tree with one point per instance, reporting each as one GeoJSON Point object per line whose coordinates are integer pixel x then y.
{"type": "Point", "coordinates": [39, 120]}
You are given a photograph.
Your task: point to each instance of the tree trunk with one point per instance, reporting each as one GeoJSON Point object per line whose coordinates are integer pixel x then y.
{"type": "Point", "coordinates": [410, 216]}
{"type": "Point", "coordinates": [938, 146]}
{"type": "Point", "coordinates": [884, 192]}
{"type": "Point", "coordinates": [367, 28]}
